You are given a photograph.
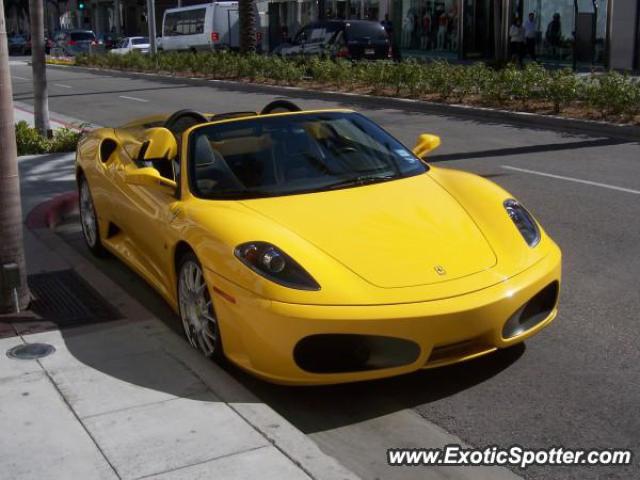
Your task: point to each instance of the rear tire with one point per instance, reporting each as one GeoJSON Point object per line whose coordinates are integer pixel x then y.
{"type": "Point", "coordinates": [89, 219]}
{"type": "Point", "coordinates": [196, 310]}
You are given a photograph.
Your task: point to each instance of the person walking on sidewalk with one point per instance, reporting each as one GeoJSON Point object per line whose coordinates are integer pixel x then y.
{"type": "Point", "coordinates": [530, 34]}
{"type": "Point", "coordinates": [516, 40]}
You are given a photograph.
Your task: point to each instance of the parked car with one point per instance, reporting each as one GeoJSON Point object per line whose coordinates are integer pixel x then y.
{"type": "Point", "coordinates": [48, 43]}
{"type": "Point", "coordinates": [17, 44]}
{"type": "Point", "coordinates": [254, 236]}
{"type": "Point", "coordinates": [130, 44]}
{"type": "Point", "coordinates": [108, 41]}
{"type": "Point", "coordinates": [75, 42]}
{"type": "Point", "coordinates": [212, 26]}
{"type": "Point", "coordinates": [352, 39]}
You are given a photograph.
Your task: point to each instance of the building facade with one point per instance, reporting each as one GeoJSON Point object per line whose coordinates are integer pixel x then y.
{"type": "Point", "coordinates": [603, 33]}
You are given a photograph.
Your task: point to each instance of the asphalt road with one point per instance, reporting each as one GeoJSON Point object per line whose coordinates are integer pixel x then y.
{"type": "Point", "coordinates": [577, 384]}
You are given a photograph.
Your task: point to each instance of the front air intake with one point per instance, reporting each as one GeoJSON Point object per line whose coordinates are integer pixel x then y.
{"type": "Point", "coordinates": [343, 353]}
{"type": "Point", "coordinates": [533, 312]}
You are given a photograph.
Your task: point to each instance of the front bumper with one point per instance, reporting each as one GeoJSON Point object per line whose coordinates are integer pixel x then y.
{"type": "Point", "coordinates": [261, 335]}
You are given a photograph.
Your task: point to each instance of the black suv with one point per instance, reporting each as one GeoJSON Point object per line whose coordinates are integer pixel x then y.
{"type": "Point", "coordinates": [351, 39]}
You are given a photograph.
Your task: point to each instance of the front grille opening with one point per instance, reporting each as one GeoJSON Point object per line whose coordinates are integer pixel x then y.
{"type": "Point", "coordinates": [532, 312]}
{"type": "Point", "coordinates": [343, 353]}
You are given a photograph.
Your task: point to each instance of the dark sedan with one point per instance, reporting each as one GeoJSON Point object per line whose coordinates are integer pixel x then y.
{"type": "Point", "coordinates": [350, 39]}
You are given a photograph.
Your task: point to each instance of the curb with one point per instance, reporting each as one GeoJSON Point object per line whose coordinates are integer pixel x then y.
{"type": "Point", "coordinates": [522, 119]}
{"type": "Point", "coordinates": [64, 120]}
{"type": "Point", "coordinates": [51, 212]}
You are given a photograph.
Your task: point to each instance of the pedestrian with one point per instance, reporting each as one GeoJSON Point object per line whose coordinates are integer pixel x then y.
{"type": "Point", "coordinates": [387, 24]}
{"type": "Point", "coordinates": [554, 34]}
{"type": "Point", "coordinates": [443, 24]}
{"type": "Point", "coordinates": [530, 35]}
{"type": "Point", "coordinates": [516, 41]}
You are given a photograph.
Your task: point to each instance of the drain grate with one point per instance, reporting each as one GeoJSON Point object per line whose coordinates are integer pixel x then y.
{"type": "Point", "coordinates": [66, 299]}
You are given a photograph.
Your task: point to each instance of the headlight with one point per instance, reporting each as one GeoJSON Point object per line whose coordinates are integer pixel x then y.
{"type": "Point", "coordinates": [272, 263]}
{"type": "Point", "coordinates": [524, 222]}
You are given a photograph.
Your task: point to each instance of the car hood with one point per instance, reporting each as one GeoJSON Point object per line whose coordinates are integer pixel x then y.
{"type": "Point", "coordinates": [400, 233]}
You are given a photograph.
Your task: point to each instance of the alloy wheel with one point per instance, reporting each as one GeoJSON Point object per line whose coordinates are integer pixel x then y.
{"type": "Point", "coordinates": [196, 309]}
{"type": "Point", "coordinates": [88, 215]}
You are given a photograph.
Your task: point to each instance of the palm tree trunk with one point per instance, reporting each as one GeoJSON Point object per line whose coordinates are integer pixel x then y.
{"type": "Point", "coordinates": [39, 68]}
{"type": "Point", "coordinates": [11, 246]}
{"type": "Point", "coordinates": [247, 14]}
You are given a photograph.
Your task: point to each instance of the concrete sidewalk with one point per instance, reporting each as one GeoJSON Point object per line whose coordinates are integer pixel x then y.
{"type": "Point", "coordinates": [128, 398]}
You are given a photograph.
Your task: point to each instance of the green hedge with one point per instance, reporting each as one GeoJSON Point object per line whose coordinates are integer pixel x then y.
{"type": "Point", "coordinates": [30, 141]}
{"type": "Point", "coordinates": [606, 95]}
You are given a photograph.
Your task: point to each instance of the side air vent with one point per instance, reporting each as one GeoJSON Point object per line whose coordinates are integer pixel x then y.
{"type": "Point", "coordinates": [107, 147]}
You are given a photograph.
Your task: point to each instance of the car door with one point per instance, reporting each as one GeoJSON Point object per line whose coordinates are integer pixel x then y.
{"type": "Point", "coordinates": [150, 218]}
{"type": "Point", "coordinates": [298, 45]}
{"type": "Point", "coordinates": [142, 213]}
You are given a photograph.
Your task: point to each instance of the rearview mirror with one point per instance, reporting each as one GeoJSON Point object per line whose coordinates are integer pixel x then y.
{"type": "Point", "coordinates": [159, 144]}
{"type": "Point", "coordinates": [148, 177]}
{"type": "Point", "coordinates": [425, 144]}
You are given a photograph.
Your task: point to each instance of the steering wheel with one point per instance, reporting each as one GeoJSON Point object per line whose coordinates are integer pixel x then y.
{"type": "Point", "coordinates": [181, 120]}
{"type": "Point", "coordinates": [279, 106]}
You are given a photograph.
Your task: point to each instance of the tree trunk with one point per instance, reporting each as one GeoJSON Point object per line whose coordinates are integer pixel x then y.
{"type": "Point", "coordinates": [39, 68]}
{"type": "Point", "coordinates": [247, 14]}
{"type": "Point", "coordinates": [11, 246]}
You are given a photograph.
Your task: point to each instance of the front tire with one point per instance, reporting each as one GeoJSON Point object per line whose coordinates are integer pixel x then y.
{"type": "Point", "coordinates": [89, 219]}
{"type": "Point", "coordinates": [196, 309]}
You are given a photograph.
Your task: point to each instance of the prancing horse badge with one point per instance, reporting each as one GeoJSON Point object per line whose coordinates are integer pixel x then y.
{"type": "Point", "coordinates": [440, 270]}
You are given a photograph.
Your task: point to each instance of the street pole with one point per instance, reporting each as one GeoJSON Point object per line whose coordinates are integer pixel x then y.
{"type": "Point", "coordinates": [39, 68]}
{"type": "Point", "coordinates": [151, 20]}
{"type": "Point", "coordinates": [116, 17]}
{"type": "Point", "coordinates": [11, 244]}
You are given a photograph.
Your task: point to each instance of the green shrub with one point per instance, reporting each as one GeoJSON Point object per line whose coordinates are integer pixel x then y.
{"type": "Point", "coordinates": [611, 94]}
{"type": "Point", "coordinates": [533, 79]}
{"type": "Point", "coordinates": [561, 88]}
{"type": "Point", "coordinates": [30, 142]}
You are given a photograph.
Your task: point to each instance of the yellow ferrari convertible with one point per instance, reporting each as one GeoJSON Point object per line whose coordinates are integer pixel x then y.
{"type": "Point", "coordinates": [312, 247]}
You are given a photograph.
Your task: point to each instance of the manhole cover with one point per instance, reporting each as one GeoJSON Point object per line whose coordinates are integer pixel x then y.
{"type": "Point", "coordinates": [30, 351]}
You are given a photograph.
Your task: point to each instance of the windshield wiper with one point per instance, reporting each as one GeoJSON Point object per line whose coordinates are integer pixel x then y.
{"type": "Point", "coordinates": [361, 180]}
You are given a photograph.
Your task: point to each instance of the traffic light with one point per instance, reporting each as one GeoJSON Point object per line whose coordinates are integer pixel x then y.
{"type": "Point", "coordinates": [80, 5]}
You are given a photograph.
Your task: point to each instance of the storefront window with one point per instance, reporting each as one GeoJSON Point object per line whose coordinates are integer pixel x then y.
{"type": "Point", "coordinates": [429, 27]}
{"type": "Point", "coordinates": [353, 9]}
{"type": "Point", "coordinates": [371, 10]}
{"type": "Point", "coordinates": [563, 28]}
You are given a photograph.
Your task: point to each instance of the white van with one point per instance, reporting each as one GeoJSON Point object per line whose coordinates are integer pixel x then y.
{"type": "Point", "coordinates": [210, 26]}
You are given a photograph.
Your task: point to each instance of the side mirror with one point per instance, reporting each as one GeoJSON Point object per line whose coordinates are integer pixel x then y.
{"type": "Point", "coordinates": [149, 177]}
{"type": "Point", "coordinates": [425, 144]}
{"type": "Point", "coordinates": [159, 144]}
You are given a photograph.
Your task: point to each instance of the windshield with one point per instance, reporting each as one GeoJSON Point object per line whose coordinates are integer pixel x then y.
{"type": "Point", "coordinates": [366, 31]}
{"type": "Point", "coordinates": [140, 41]}
{"type": "Point", "coordinates": [298, 153]}
{"type": "Point", "coordinates": [82, 36]}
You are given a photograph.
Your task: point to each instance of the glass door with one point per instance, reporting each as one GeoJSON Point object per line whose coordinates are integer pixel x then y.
{"type": "Point", "coordinates": [478, 29]}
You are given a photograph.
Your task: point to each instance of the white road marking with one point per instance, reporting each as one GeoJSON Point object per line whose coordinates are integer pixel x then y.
{"type": "Point", "coordinates": [20, 78]}
{"type": "Point", "coordinates": [135, 99]}
{"type": "Point", "coordinates": [572, 179]}
{"type": "Point", "coordinates": [61, 85]}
